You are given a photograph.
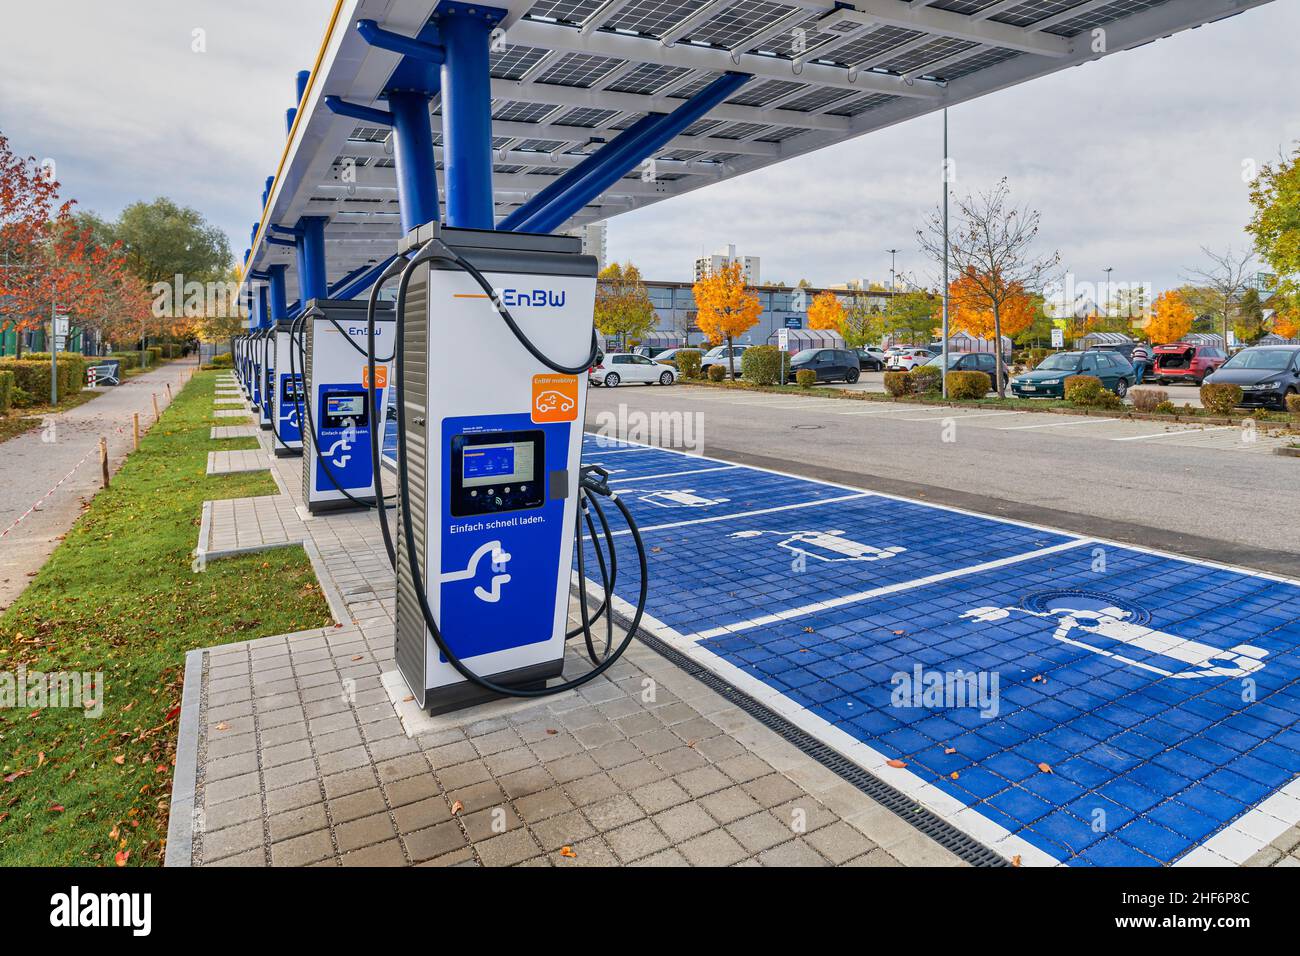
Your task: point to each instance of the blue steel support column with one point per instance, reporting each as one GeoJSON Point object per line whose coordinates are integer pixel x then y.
{"type": "Point", "coordinates": [467, 112]}
{"type": "Point", "coordinates": [300, 84]}
{"type": "Point", "coordinates": [259, 308]}
{"type": "Point", "coordinates": [417, 178]}
{"type": "Point", "coordinates": [594, 175]}
{"type": "Point", "coordinates": [263, 306]}
{"type": "Point", "coordinates": [278, 291]}
{"type": "Point", "coordinates": [311, 258]}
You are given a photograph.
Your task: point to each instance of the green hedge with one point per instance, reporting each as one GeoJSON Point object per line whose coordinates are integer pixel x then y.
{"type": "Point", "coordinates": [1221, 398]}
{"type": "Point", "coordinates": [6, 391]}
{"type": "Point", "coordinates": [688, 362]}
{"type": "Point", "coordinates": [805, 377]}
{"type": "Point", "coordinates": [155, 355]}
{"type": "Point", "coordinates": [224, 360]}
{"type": "Point", "coordinates": [717, 373]}
{"type": "Point", "coordinates": [968, 385]}
{"type": "Point", "coordinates": [897, 384]}
{"type": "Point", "coordinates": [129, 360]}
{"type": "Point", "coordinates": [761, 364]}
{"type": "Point", "coordinates": [926, 378]}
{"type": "Point", "coordinates": [32, 373]}
{"type": "Point", "coordinates": [1087, 391]}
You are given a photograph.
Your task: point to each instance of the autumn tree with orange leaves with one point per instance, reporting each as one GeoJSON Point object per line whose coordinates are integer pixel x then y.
{"type": "Point", "coordinates": [1171, 318]}
{"type": "Point", "coordinates": [726, 307]}
{"type": "Point", "coordinates": [826, 312]}
{"type": "Point", "coordinates": [969, 311]}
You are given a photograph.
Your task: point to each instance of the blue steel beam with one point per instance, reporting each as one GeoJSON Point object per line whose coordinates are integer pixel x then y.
{"type": "Point", "coordinates": [363, 282]}
{"type": "Point", "coordinates": [300, 84]}
{"type": "Point", "coordinates": [366, 114]}
{"type": "Point", "coordinates": [612, 162]}
{"type": "Point", "coordinates": [278, 291]}
{"type": "Point", "coordinates": [334, 287]}
{"type": "Point", "coordinates": [467, 112]}
{"type": "Point", "coordinates": [311, 258]}
{"type": "Point", "coordinates": [377, 36]}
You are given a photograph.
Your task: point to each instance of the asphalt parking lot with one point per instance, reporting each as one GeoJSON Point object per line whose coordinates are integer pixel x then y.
{"type": "Point", "coordinates": [1215, 492]}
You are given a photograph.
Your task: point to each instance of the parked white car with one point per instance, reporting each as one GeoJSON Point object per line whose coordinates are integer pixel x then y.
{"type": "Point", "coordinates": [624, 368]}
{"type": "Point", "coordinates": [719, 355]}
{"type": "Point", "coordinates": [906, 359]}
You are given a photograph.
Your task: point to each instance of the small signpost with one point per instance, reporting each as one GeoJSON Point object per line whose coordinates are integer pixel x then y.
{"type": "Point", "coordinates": [1058, 337]}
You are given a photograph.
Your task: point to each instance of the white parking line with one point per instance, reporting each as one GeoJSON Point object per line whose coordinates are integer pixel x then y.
{"type": "Point", "coordinates": [1086, 421]}
{"type": "Point", "coordinates": [745, 514]}
{"type": "Point", "coordinates": [962, 418]}
{"type": "Point", "coordinates": [875, 411]}
{"type": "Point", "coordinates": [842, 600]}
{"type": "Point", "coordinates": [674, 474]}
{"type": "Point", "coordinates": [1181, 431]}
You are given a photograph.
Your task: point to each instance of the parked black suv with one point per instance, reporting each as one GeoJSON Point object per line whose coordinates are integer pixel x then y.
{"type": "Point", "coordinates": [1267, 374]}
{"type": "Point", "coordinates": [829, 364]}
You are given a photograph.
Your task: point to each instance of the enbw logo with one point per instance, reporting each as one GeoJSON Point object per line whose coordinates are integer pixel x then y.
{"type": "Point", "coordinates": [539, 298]}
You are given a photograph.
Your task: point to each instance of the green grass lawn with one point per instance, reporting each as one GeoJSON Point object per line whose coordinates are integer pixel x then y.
{"type": "Point", "coordinates": [119, 597]}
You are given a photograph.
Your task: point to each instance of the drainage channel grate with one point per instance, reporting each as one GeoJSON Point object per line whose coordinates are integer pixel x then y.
{"type": "Point", "coordinates": [936, 828]}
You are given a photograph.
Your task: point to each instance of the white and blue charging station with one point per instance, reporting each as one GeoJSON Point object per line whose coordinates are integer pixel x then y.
{"type": "Point", "coordinates": [266, 377]}
{"type": "Point", "coordinates": [286, 396]}
{"type": "Point", "coordinates": [492, 462]}
{"type": "Point", "coordinates": [337, 469]}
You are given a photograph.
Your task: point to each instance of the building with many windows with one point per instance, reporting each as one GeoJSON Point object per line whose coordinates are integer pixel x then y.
{"type": "Point", "coordinates": [783, 307]}
{"type": "Point", "coordinates": [749, 265]}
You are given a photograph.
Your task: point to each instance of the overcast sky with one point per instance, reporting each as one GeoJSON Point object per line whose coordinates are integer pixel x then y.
{"type": "Point", "coordinates": [1135, 161]}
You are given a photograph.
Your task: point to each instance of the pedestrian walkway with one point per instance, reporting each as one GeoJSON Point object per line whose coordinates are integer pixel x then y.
{"type": "Point", "coordinates": [49, 472]}
{"type": "Point", "coordinates": [303, 749]}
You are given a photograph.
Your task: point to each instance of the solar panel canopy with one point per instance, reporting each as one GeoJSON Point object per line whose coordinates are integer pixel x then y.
{"type": "Point", "coordinates": [568, 76]}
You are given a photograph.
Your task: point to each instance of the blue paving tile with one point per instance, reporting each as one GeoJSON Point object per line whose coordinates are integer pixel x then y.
{"type": "Point", "coordinates": [1049, 659]}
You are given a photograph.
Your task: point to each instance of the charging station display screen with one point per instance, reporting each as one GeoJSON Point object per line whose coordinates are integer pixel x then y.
{"type": "Point", "coordinates": [345, 408]}
{"type": "Point", "coordinates": [291, 391]}
{"type": "Point", "coordinates": [485, 464]}
{"type": "Point", "coordinates": [497, 471]}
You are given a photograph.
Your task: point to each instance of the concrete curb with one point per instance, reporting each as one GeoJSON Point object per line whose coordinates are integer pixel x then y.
{"type": "Point", "coordinates": [180, 820]}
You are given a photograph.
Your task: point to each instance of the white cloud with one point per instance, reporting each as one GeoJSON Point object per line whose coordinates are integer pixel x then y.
{"type": "Point", "coordinates": [1134, 161]}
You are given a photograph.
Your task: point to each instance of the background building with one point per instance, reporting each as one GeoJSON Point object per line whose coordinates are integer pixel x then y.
{"type": "Point", "coordinates": [594, 241]}
{"type": "Point", "coordinates": [783, 306]}
{"type": "Point", "coordinates": [748, 265]}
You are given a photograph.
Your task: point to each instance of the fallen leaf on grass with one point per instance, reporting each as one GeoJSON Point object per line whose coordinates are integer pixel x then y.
{"type": "Point", "coordinates": [56, 808]}
{"type": "Point", "coordinates": [16, 774]}
{"type": "Point", "coordinates": [121, 857]}
{"type": "Point", "coordinates": [119, 759]}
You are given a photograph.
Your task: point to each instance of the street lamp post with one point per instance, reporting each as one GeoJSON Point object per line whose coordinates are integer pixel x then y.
{"type": "Point", "coordinates": [943, 377]}
{"type": "Point", "coordinates": [1108, 270]}
{"type": "Point", "coordinates": [892, 254]}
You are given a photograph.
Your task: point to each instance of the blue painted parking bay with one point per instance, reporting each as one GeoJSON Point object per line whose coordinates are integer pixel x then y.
{"type": "Point", "coordinates": [1062, 699]}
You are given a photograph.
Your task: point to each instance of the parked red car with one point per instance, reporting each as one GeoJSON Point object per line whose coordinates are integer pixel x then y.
{"type": "Point", "coordinates": [1185, 362]}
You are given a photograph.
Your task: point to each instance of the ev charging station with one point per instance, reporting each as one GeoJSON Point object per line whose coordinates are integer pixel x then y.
{"type": "Point", "coordinates": [492, 461]}
{"type": "Point", "coordinates": [286, 396]}
{"type": "Point", "coordinates": [266, 377]}
{"type": "Point", "coordinates": [336, 412]}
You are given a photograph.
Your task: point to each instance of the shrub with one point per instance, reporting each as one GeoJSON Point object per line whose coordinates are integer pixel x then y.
{"type": "Point", "coordinates": [6, 391]}
{"type": "Point", "coordinates": [717, 373]}
{"type": "Point", "coordinates": [1148, 399]}
{"type": "Point", "coordinates": [1166, 408]}
{"type": "Point", "coordinates": [32, 374]}
{"type": "Point", "coordinates": [155, 355]}
{"type": "Point", "coordinates": [898, 384]}
{"type": "Point", "coordinates": [1220, 398]}
{"type": "Point", "coordinates": [224, 360]}
{"type": "Point", "coordinates": [127, 359]}
{"type": "Point", "coordinates": [806, 377]}
{"type": "Point", "coordinates": [968, 385]}
{"type": "Point", "coordinates": [1032, 357]}
{"type": "Point", "coordinates": [688, 362]}
{"type": "Point", "coordinates": [1083, 389]}
{"type": "Point", "coordinates": [761, 364]}
{"type": "Point", "coordinates": [926, 378]}
{"type": "Point", "coordinates": [22, 398]}
{"type": "Point", "coordinates": [1293, 404]}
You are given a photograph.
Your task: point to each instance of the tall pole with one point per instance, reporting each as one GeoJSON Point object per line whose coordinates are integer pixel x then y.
{"type": "Point", "coordinates": [892, 254]}
{"type": "Point", "coordinates": [944, 177]}
{"type": "Point", "coordinates": [1108, 270]}
{"type": "Point", "coordinates": [54, 354]}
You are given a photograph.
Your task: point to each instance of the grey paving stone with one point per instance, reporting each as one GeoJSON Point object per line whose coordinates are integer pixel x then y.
{"type": "Point", "coordinates": [508, 849]}
{"type": "Point", "coordinates": [301, 772]}
{"type": "Point", "coordinates": [421, 814]}
{"type": "Point", "coordinates": [592, 789]}
{"type": "Point", "coordinates": [669, 857]}
{"type": "Point", "coordinates": [759, 832]}
{"type": "Point", "coordinates": [613, 812]}
{"type": "Point", "coordinates": [636, 840]}
{"type": "Point", "coordinates": [659, 795]}
{"type": "Point", "coordinates": [565, 829]}
{"type": "Point", "coordinates": [463, 775]}
{"type": "Point", "coordinates": [543, 804]}
{"type": "Point", "coordinates": [794, 853]}
{"type": "Point", "coordinates": [301, 850]}
{"type": "Point", "coordinates": [715, 848]}
{"type": "Point", "coordinates": [839, 842]}
{"type": "Point", "coordinates": [571, 767]}
{"type": "Point", "coordinates": [703, 780]}
{"type": "Point", "coordinates": [388, 853]}
{"type": "Point", "coordinates": [364, 831]}
{"type": "Point", "coordinates": [411, 789]}
{"type": "Point", "coordinates": [231, 840]}
{"type": "Point", "coordinates": [682, 822]}
{"type": "Point", "coordinates": [434, 841]}
{"type": "Point", "coordinates": [772, 790]}
{"type": "Point", "coordinates": [292, 823]}
{"type": "Point", "coordinates": [730, 804]}
{"type": "Point", "coordinates": [636, 774]}
{"type": "Point", "coordinates": [357, 805]}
